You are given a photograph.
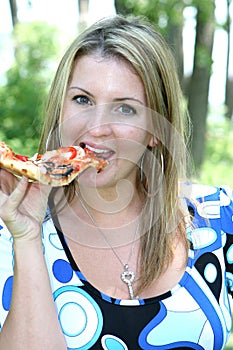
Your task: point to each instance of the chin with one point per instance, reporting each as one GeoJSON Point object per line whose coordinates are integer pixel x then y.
{"type": "Point", "coordinates": [91, 178]}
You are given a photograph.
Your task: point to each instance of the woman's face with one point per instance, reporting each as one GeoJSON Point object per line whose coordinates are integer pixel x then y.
{"type": "Point", "coordinates": [105, 108]}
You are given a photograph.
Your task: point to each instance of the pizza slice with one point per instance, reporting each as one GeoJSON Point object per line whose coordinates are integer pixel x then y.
{"type": "Point", "coordinates": [55, 168]}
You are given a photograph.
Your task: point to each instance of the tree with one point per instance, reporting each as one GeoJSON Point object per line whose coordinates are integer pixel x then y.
{"type": "Point", "coordinates": [83, 14]}
{"type": "Point", "coordinates": [198, 89]}
{"type": "Point", "coordinates": [167, 15]}
{"type": "Point", "coordinates": [229, 80]}
{"type": "Point", "coordinates": [14, 12]}
{"type": "Point", "coordinates": [27, 82]}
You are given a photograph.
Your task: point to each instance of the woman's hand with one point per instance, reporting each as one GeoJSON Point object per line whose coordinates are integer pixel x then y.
{"type": "Point", "coordinates": [22, 205]}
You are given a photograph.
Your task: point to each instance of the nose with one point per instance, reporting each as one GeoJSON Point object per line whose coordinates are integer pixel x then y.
{"type": "Point", "coordinates": [99, 124]}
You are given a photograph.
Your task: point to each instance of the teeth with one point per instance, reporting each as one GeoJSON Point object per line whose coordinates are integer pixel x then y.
{"type": "Point", "coordinates": [97, 150]}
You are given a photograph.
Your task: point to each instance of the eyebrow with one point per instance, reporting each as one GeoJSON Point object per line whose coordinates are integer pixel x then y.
{"type": "Point", "coordinates": [79, 88]}
{"type": "Point", "coordinates": [116, 99]}
{"type": "Point", "coordinates": [130, 99]}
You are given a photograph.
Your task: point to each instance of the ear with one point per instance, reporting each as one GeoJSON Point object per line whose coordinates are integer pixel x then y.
{"type": "Point", "coordinates": [153, 142]}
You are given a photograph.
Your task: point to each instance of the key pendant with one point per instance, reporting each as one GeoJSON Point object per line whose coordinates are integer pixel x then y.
{"type": "Point", "coordinates": [128, 277]}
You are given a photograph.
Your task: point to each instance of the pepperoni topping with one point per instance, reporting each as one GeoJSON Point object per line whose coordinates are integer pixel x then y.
{"type": "Point", "coordinates": [70, 149]}
{"type": "Point", "coordinates": [73, 152]}
{"type": "Point", "coordinates": [23, 158]}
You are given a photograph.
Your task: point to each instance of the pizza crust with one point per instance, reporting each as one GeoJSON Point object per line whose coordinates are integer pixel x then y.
{"type": "Point", "coordinates": [20, 168]}
{"type": "Point", "coordinates": [54, 168]}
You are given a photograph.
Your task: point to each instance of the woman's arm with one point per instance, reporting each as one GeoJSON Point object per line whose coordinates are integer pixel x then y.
{"type": "Point", "coordinates": [32, 321]}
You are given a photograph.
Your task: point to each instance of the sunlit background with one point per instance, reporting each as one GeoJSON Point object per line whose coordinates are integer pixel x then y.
{"type": "Point", "coordinates": [64, 15]}
{"type": "Point", "coordinates": [69, 20]}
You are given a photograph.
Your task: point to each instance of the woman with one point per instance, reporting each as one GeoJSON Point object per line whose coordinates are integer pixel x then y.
{"type": "Point", "coordinates": [127, 258]}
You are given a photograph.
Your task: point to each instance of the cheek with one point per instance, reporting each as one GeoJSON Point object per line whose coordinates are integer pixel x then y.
{"type": "Point", "coordinates": [132, 146]}
{"type": "Point", "coordinates": [71, 131]}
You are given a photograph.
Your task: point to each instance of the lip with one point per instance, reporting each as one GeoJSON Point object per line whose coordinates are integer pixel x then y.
{"type": "Point", "coordinates": [99, 150]}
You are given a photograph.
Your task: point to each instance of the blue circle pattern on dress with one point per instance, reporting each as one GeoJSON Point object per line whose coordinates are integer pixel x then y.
{"type": "Point", "coordinates": [229, 255]}
{"type": "Point", "coordinates": [62, 271]}
{"type": "Point", "coordinates": [79, 315]}
{"type": "Point", "coordinates": [81, 321]}
{"type": "Point", "coordinates": [111, 342]}
{"type": "Point", "coordinates": [210, 273]}
{"type": "Point", "coordinates": [7, 293]}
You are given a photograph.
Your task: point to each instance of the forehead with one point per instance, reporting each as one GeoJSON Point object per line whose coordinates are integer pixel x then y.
{"type": "Point", "coordinates": [89, 63]}
{"type": "Point", "coordinates": [98, 74]}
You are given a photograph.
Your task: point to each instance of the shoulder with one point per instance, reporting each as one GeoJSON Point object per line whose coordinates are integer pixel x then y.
{"type": "Point", "coordinates": [210, 202]}
{"type": "Point", "coordinates": [211, 209]}
{"type": "Point", "coordinates": [206, 192]}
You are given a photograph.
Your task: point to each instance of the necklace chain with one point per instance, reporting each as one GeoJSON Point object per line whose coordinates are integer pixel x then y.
{"type": "Point", "coordinates": [127, 275]}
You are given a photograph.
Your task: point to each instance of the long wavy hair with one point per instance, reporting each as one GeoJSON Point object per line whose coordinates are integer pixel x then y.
{"type": "Point", "coordinates": [136, 41]}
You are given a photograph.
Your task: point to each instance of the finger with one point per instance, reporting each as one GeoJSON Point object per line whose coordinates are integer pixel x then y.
{"type": "Point", "coordinates": [37, 199]}
{"type": "Point", "coordinates": [8, 181]}
{"type": "Point", "coordinates": [41, 189]}
{"type": "Point", "coordinates": [18, 194]}
{"type": "Point", "coordinates": [11, 202]}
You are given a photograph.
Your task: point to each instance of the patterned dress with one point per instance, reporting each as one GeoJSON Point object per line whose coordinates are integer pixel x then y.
{"type": "Point", "coordinates": [195, 314]}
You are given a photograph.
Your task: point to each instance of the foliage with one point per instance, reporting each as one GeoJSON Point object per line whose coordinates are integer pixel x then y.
{"type": "Point", "coordinates": [168, 17]}
{"type": "Point", "coordinates": [217, 168]}
{"type": "Point", "coordinates": [159, 12]}
{"type": "Point", "coordinates": [27, 81]}
{"type": "Point", "coordinates": [204, 8]}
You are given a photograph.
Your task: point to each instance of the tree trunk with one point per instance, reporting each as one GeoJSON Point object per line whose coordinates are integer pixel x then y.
{"type": "Point", "coordinates": [174, 33]}
{"type": "Point", "coordinates": [83, 14]}
{"type": "Point", "coordinates": [175, 41]}
{"type": "Point", "coordinates": [128, 7]}
{"type": "Point", "coordinates": [199, 82]}
{"type": "Point", "coordinates": [229, 98]}
{"type": "Point", "coordinates": [229, 81]}
{"type": "Point", "coordinates": [14, 12]}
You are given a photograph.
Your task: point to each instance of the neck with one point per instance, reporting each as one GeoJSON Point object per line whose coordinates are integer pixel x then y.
{"type": "Point", "coordinates": [111, 209]}
{"type": "Point", "coordinates": [127, 276]}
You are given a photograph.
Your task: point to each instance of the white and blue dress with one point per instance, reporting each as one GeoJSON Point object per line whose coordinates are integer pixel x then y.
{"type": "Point", "coordinates": [195, 314]}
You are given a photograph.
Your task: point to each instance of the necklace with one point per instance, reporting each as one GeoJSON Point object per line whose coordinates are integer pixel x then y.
{"type": "Point", "coordinates": [127, 276]}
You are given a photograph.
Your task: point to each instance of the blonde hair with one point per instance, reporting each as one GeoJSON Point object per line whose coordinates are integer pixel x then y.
{"type": "Point", "coordinates": [137, 42]}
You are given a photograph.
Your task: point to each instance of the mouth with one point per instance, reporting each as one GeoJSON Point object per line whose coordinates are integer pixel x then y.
{"type": "Point", "coordinates": [99, 152]}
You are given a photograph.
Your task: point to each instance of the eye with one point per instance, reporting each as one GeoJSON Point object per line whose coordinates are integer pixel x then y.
{"type": "Point", "coordinates": [82, 100]}
{"type": "Point", "coordinates": [127, 110]}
